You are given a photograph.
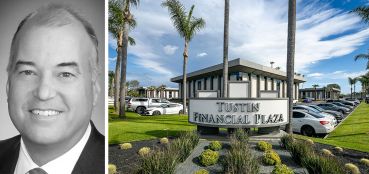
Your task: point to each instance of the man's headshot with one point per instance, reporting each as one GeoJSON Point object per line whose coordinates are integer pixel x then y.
{"type": "Point", "coordinates": [52, 91]}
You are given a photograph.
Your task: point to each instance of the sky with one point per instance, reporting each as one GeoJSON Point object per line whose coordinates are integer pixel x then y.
{"type": "Point", "coordinates": [328, 37]}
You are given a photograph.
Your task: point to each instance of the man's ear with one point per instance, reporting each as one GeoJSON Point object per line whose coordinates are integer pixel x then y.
{"type": "Point", "coordinates": [96, 91]}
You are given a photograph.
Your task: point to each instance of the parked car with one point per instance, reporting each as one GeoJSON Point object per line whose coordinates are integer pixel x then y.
{"type": "Point", "coordinates": [311, 123]}
{"type": "Point", "coordinates": [312, 110]}
{"type": "Point", "coordinates": [307, 100]}
{"type": "Point", "coordinates": [343, 105]}
{"type": "Point", "coordinates": [171, 108]}
{"type": "Point", "coordinates": [343, 102]}
{"type": "Point", "coordinates": [336, 114]}
{"type": "Point", "coordinates": [330, 106]}
{"type": "Point", "coordinates": [139, 105]}
{"type": "Point", "coordinates": [357, 101]}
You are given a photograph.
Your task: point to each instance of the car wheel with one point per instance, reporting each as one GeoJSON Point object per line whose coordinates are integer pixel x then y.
{"type": "Point", "coordinates": [140, 110]}
{"type": "Point", "coordinates": [180, 112]}
{"type": "Point", "coordinates": [342, 111]}
{"type": "Point", "coordinates": [307, 131]}
{"type": "Point", "coordinates": [156, 113]}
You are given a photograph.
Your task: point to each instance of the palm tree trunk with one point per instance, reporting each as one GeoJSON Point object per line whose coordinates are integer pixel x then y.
{"type": "Point", "coordinates": [184, 85]}
{"type": "Point", "coordinates": [351, 91]}
{"type": "Point", "coordinates": [122, 111]}
{"type": "Point", "coordinates": [225, 49]}
{"type": "Point", "coordinates": [354, 91]}
{"type": "Point", "coordinates": [117, 72]}
{"type": "Point", "coordinates": [290, 59]}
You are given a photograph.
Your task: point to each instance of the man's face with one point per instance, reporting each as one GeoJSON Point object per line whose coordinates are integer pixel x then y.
{"type": "Point", "coordinates": [50, 90]}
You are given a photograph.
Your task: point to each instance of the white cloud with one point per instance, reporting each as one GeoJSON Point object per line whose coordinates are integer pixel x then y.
{"type": "Point", "coordinates": [202, 54]}
{"type": "Point", "coordinates": [112, 58]}
{"type": "Point", "coordinates": [336, 75]}
{"type": "Point", "coordinates": [315, 75]}
{"type": "Point", "coordinates": [170, 49]}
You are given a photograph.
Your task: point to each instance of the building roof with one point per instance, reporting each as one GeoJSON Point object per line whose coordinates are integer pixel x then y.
{"type": "Point", "coordinates": [318, 89]}
{"type": "Point", "coordinates": [239, 65]}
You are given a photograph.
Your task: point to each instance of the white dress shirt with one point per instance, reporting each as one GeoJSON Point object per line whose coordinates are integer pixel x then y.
{"type": "Point", "coordinates": [63, 164]}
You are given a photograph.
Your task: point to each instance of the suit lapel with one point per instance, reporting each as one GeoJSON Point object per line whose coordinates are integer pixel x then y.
{"type": "Point", "coordinates": [9, 153]}
{"type": "Point", "coordinates": [92, 159]}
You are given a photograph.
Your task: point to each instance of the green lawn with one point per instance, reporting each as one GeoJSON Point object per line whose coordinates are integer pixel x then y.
{"type": "Point", "coordinates": [353, 133]}
{"type": "Point", "coordinates": [137, 127]}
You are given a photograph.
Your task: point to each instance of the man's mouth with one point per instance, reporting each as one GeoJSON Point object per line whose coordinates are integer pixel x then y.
{"type": "Point", "coordinates": [45, 112]}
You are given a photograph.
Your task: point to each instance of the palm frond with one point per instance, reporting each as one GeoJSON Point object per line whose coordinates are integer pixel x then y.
{"type": "Point", "coordinates": [195, 25]}
{"type": "Point", "coordinates": [361, 56]}
{"type": "Point", "coordinates": [363, 12]}
{"type": "Point", "coordinates": [131, 41]}
{"type": "Point", "coordinates": [178, 15]}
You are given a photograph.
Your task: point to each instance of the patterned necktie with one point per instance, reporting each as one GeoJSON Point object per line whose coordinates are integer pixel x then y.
{"type": "Point", "coordinates": [37, 171]}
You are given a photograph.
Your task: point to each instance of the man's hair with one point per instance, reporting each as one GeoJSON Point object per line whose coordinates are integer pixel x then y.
{"type": "Point", "coordinates": [54, 15]}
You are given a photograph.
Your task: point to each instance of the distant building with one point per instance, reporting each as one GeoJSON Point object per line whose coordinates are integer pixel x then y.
{"type": "Point", "coordinates": [320, 93]}
{"type": "Point", "coordinates": [261, 79]}
{"type": "Point", "coordinates": [168, 93]}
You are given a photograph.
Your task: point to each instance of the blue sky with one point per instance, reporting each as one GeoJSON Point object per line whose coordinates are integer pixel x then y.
{"type": "Point", "coordinates": [327, 39]}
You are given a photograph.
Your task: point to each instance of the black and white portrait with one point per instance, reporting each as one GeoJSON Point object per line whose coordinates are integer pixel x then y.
{"type": "Point", "coordinates": [52, 86]}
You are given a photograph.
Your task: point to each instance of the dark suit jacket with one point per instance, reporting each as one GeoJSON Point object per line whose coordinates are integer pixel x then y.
{"type": "Point", "coordinates": [91, 161]}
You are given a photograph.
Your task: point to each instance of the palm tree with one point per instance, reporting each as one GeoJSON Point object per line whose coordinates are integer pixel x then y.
{"type": "Point", "coordinates": [161, 89]}
{"type": "Point", "coordinates": [364, 80]}
{"type": "Point", "coordinates": [225, 48]}
{"type": "Point", "coordinates": [355, 81]}
{"type": "Point", "coordinates": [351, 82]}
{"type": "Point", "coordinates": [111, 75]}
{"type": "Point", "coordinates": [127, 20]}
{"type": "Point", "coordinates": [290, 58]}
{"type": "Point", "coordinates": [187, 26]}
{"type": "Point", "coordinates": [363, 12]}
{"type": "Point", "coordinates": [152, 89]}
{"type": "Point", "coordinates": [316, 94]}
{"type": "Point", "coordinates": [115, 25]}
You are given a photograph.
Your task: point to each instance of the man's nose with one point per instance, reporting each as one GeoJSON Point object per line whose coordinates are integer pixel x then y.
{"type": "Point", "coordinates": [44, 89]}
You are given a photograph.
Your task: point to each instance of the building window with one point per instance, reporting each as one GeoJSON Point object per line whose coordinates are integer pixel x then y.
{"type": "Point", "coordinates": [194, 89]}
{"type": "Point", "coordinates": [265, 83]}
{"type": "Point", "coordinates": [205, 79]}
{"type": "Point", "coordinates": [170, 94]}
{"type": "Point", "coordinates": [199, 85]}
{"type": "Point", "coordinates": [211, 83]}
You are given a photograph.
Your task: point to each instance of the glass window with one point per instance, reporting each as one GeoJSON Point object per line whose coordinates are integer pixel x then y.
{"type": "Point", "coordinates": [298, 115]}
{"type": "Point", "coordinates": [199, 85]}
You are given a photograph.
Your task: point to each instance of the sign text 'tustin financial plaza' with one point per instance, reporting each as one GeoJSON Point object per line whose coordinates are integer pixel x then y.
{"type": "Point", "coordinates": [238, 112]}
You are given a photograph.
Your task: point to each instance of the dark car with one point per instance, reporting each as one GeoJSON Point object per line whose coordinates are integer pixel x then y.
{"type": "Point", "coordinates": [343, 105]}
{"type": "Point", "coordinates": [330, 106]}
{"type": "Point", "coordinates": [338, 115]}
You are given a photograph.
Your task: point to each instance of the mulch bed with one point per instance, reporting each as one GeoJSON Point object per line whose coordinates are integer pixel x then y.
{"type": "Point", "coordinates": [347, 156]}
{"type": "Point", "coordinates": [127, 161]}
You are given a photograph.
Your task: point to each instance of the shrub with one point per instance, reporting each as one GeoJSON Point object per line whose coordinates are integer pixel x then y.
{"type": "Point", "coordinates": [159, 161]}
{"type": "Point", "coordinates": [184, 144]}
{"type": "Point", "coordinates": [327, 152]}
{"type": "Point", "coordinates": [202, 171]}
{"type": "Point", "coordinates": [364, 161]}
{"type": "Point", "coordinates": [209, 157]}
{"type": "Point", "coordinates": [239, 158]}
{"type": "Point", "coordinates": [299, 150]}
{"type": "Point", "coordinates": [282, 169]}
{"type": "Point", "coordinates": [309, 141]}
{"type": "Point", "coordinates": [241, 135]}
{"type": "Point", "coordinates": [112, 169]}
{"type": "Point", "coordinates": [287, 140]}
{"type": "Point", "coordinates": [338, 149]}
{"type": "Point", "coordinates": [264, 146]}
{"type": "Point", "coordinates": [271, 158]}
{"type": "Point", "coordinates": [215, 145]}
{"type": "Point", "coordinates": [322, 164]}
{"type": "Point", "coordinates": [125, 146]}
{"type": "Point", "coordinates": [144, 151]}
{"type": "Point", "coordinates": [164, 140]}
{"type": "Point", "coordinates": [352, 168]}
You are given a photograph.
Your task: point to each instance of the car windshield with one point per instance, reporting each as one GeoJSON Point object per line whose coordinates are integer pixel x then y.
{"type": "Point", "coordinates": [316, 115]}
{"type": "Point", "coordinates": [317, 108]}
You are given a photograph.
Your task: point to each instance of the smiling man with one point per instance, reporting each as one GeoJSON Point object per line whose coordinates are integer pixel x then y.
{"type": "Point", "coordinates": [52, 88]}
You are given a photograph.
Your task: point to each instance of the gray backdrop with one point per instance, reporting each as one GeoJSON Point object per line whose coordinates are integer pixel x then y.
{"type": "Point", "coordinates": [11, 13]}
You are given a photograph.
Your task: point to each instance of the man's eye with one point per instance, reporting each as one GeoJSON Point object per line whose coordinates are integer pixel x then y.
{"type": "Point", "coordinates": [27, 72]}
{"type": "Point", "coordinates": [66, 75]}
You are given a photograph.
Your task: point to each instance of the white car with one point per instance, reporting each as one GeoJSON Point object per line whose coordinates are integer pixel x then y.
{"type": "Point", "coordinates": [311, 123]}
{"type": "Point", "coordinates": [170, 108]}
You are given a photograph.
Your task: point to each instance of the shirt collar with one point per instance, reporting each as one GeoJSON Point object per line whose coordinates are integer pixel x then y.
{"type": "Point", "coordinates": [63, 164]}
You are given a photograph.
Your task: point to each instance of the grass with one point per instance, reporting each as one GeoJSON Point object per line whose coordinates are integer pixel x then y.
{"type": "Point", "coordinates": [353, 133]}
{"type": "Point", "coordinates": [136, 127]}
